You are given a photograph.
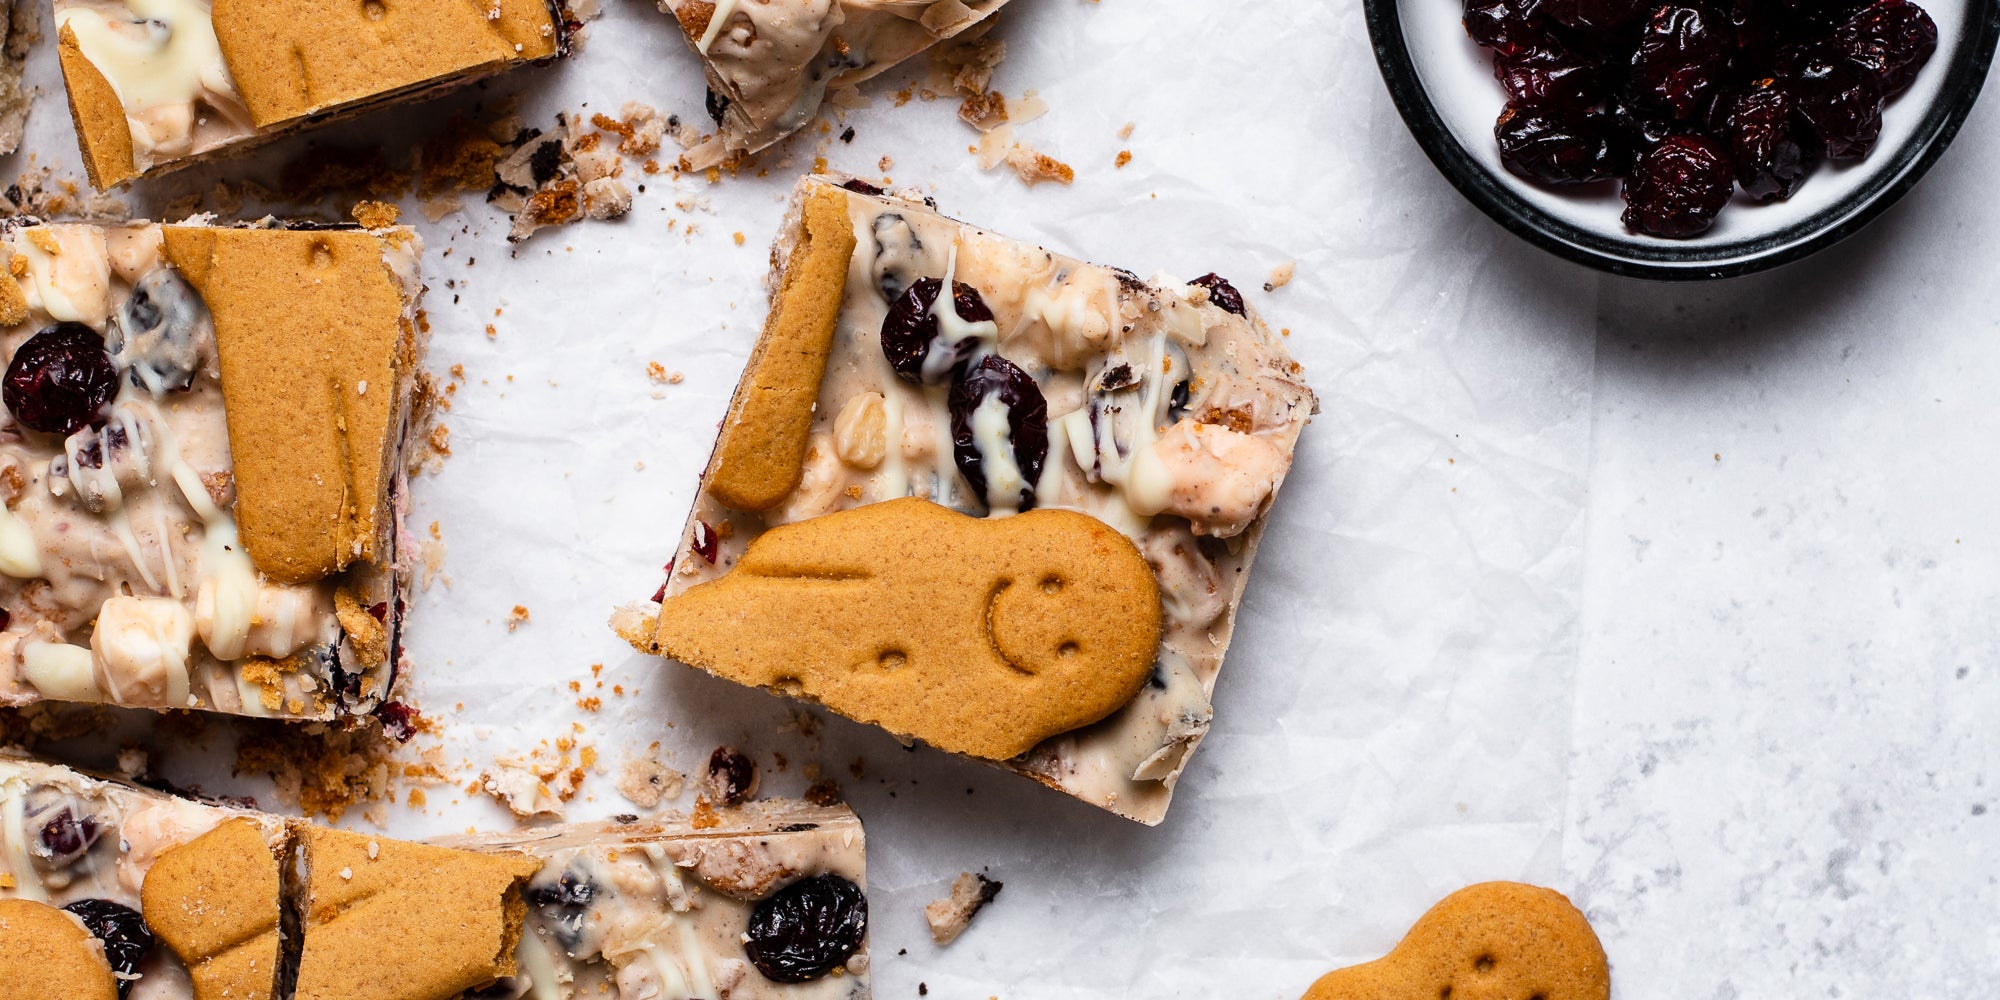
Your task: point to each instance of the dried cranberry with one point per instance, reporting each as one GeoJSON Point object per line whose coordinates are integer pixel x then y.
{"type": "Point", "coordinates": [1638, 129]}
{"type": "Point", "coordinates": [707, 543]}
{"type": "Point", "coordinates": [66, 836]}
{"type": "Point", "coordinates": [1550, 73]}
{"type": "Point", "coordinates": [1593, 15]}
{"type": "Point", "coordinates": [731, 777]}
{"type": "Point", "coordinates": [1222, 294]}
{"type": "Point", "coordinates": [1756, 29]}
{"type": "Point", "coordinates": [1892, 38]}
{"type": "Point", "coordinates": [61, 380]}
{"type": "Point", "coordinates": [1556, 145]}
{"type": "Point", "coordinates": [1508, 27]}
{"type": "Point", "coordinates": [126, 937]}
{"type": "Point", "coordinates": [1839, 99]}
{"type": "Point", "coordinates": [1764, 146]}
{"type": "Point", "coordinates": [564, 904]}
{"type": "Point", "coordinates": [399, 720]}
{"type": "Point", "coordinates": [910, 331]}
{"type": "Point", "coordinates": [1676, 189]}
{"type": "Point", "coordinates": [6, 619]}
{"type": "Point", "coordinates": [997, 378]}
{"type": "Point", "coordinates": [859, 186]}
{"type": "Point", "coordinates": [807, 929]}
{"type": "Point", "coordinates": [1682, 55]}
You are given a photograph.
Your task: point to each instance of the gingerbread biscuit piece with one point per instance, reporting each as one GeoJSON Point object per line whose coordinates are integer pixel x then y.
{"type": "Point", "coordinates": [391, 920]}
{"type": "Point", "coordinates": [215, 901]}
{"type": "Point", "coordinates": [212, 78]}
{"type": "Point", "coordinates": [307, 322]}
{"type": "Point", "coordinates": [757, 459]}
{"type": "Point", "coordinates": [292, 58]}
{"type": "Point", "coordinates": [982, 637]}
{"type": "Point", "coordinates": [45, 953]}
{"type": "Point", "coordinates": [1491, 941]}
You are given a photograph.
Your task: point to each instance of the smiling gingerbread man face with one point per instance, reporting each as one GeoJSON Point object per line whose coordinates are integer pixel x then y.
{"type": "Point", "coordinates": [982, 637]}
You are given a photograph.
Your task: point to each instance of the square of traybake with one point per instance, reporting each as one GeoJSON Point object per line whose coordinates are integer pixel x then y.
{"type": "Point", "coordinates": [770, 63]}
{"type": "Point", "coordinates": [928, 512]}
{"type": "Point", "coordinates": [158, 84]}
{"type": "Point", "coordinates": [201, 463]}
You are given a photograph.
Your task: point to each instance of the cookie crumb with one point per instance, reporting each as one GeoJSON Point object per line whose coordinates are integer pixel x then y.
{"type": "Point", "coordinates": [647, 781]}
{"type": "Point", "coordinates": [950, 916]}
{"type": "Point", "coordinates": [517, 617]}
{"type": "Point", "coordinates": [1281, 276]}
{"type": "Point", "coordinates": [376, 214]}
{"type": "Point", "coordinates": [1124, 157]}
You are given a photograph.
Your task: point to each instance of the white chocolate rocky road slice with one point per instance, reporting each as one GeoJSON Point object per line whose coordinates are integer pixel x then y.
{"type": "Point", "coordinates": [1164, 409]}
{"type": "Point", "coordinates": [156, 84]}
{"type": "Point", "coordinates": [771, 62]}
{"type": "Point", "coordinates": [764, 901]}
{"type": "Point", "coordinates": [193, 901]}
{"type": "Point", "coordinates": [201, 473]}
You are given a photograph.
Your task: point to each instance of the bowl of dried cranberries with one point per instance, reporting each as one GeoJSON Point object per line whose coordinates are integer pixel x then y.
{"type": "Point", "coordinates": [1683, 139]}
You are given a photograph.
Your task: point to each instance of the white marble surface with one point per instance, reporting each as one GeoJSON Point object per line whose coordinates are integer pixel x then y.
{"type": "Point", "coordinates": [1513, 618]}
{"type": "Point", "coordinates": [1783, 781]}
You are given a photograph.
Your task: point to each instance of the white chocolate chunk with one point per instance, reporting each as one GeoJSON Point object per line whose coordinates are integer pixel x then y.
{"type": "Point", "coordinates": [140, 650]}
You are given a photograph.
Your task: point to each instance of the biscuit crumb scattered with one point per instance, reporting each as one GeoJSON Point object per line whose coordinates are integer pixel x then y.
{"type": "Point", "coordinates": [376, 214]}
{"type": "Point", "coordinates": [950, 916]}
{"type": "Point", "coordinates": [1281, 276]}
{"type": "Point", "coordinates": [517, 617]}
{"type": "Point", "coordinates": [1124, 157]}
{"type": "Point", "coordinates": [535, 784]}
{"type": "Point", "coordinates": [1033, 167]}
{"type": "Point", "coordinates": [1125, 132]}
{"type": "Point", "coordinates": [647, 781]}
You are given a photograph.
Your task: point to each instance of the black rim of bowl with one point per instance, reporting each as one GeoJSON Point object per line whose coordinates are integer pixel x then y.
{"type": "Point", "coordinates": [1678, 261]}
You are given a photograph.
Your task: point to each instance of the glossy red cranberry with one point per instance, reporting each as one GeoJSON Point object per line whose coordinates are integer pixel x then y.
{"type": "Point", "coordinates": [1508, 27]}
{"type": "Point", "coordinates": [910, 331]}
{"type": "Point", "coordinates": [1839, 99]}
{"type": "Point", "coordinates": [1222, 294]}
{"type": "Point", "coordinates": [997, 378]}
{"type": "Point", "coordinates": [1677, 189]}
{"type": "Point", "coordinates": [1594, 15]}
{"type": "Point", "coordinates": [1681, 60]}
{"type": "Point", "coordinates": [1764, 148]}
{"type": "Point", "coordinates": [1550, 74]}
{"type": "Point", "coordinates": [60, 380]}
{"type": "Point", "coordinates": [807, 929]}
{"type": "Point", "coordinates": [1556, 145]}
{"type": "Point", "coordinates": [126, 937]}
{"type": "Point", "coordinates": [1892, 38]}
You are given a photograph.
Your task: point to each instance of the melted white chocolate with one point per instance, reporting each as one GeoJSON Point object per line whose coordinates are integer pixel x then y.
{"type": "Point", "coordinates": [162, 59]}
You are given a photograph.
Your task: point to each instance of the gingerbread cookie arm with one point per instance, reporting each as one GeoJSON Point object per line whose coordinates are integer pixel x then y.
{"type": "Point", "coordinates": [759, 458]}
{"type": "Point", "coordinates": [1494, 939]}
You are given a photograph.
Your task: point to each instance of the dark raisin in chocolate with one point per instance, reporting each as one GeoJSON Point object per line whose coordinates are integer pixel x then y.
{"type": "Point", "coordinates": [399, 720]}
{"type": "Point", "coordinates": [1221, 294]}
{"type": "Point", "coordinates": [995, 377]}
{"type": "Point", "coordinates": [731, 777]}
{"type": "Point", "coordinates": [910, 331]}
{"type": "Point", "coordinates": [807, 929]}
{"type": "Point", "coordinates": [564, 904]}
{"type": "Point", "coordinates": [126, 937]}
{"type": "Point", "coordinates": [1556, 145]}
{"type": "Point", "coordinates": [67, 836]}
{"type": "Point", "coordinates": [60, 380]}
{"type": "Point", "coordinates": [859, 186]}
{"type": "Point", "coordinates": [1676, 190]}
{"type": "Point", "coordinates": [717, 105]}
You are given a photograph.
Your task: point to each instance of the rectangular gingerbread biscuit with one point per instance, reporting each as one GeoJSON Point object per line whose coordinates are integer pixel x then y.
{"type": "Point", "coordinates": [770, 63]}
{"type": "Point", "coordinates": [948, 440]}
{"type": "Point", "coordinates": [157, 84]}
{"type": "Point", "coordinates": [212, 520]}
